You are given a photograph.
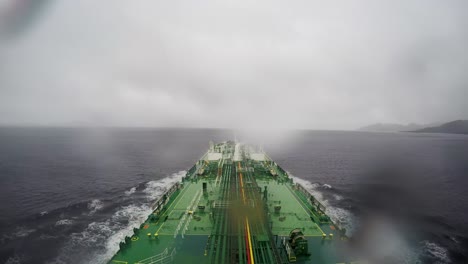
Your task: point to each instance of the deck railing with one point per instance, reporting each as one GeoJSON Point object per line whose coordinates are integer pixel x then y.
{"type": "Point", "coordinates": [161, 258]}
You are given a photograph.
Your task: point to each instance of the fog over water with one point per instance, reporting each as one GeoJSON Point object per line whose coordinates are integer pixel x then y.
{"type": "Point", "coordinates": [301, 64]}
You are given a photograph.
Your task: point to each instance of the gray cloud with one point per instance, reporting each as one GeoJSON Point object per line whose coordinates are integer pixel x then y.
{"type": "Point", "coordinates": [300, 64]}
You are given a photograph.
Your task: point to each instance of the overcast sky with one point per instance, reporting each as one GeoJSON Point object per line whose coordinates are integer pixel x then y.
{"type": "Point", "coordinates": [289, 64]}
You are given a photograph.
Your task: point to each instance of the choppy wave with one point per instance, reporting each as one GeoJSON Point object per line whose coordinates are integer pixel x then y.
{"type": "Point", "coordinates": [13, 260]}
{"type": "Point", "coordinates": [434, 251]}
{"type": "Point", "coordinates": [103, 237]}
{"type": "Point", "coordinates": [23, 232]}
{"type": "Point", "coordinates": [130, 192]}
{"type": "Point", "coordinates": [64, 222]}
{"type": "Point", "coordinates": [47, 236]}
{"type": "Point", "coordinates": [95, 205]}
{"type": "Point", "coordinates": [338, 197]}
{"type": "Point", "coordinates": [19, 232]}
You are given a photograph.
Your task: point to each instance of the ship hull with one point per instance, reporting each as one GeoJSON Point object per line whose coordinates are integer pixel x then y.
{"type": "Point", "coordinates": [236, 205]}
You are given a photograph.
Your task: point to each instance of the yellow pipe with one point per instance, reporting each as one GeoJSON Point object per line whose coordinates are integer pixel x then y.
{"type": "Point", "coordinates": [242, 187]}
{"type": "Point", "coordinates": [250, 241]}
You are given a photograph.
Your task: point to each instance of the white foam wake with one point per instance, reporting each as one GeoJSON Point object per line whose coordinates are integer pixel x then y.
{"type": "Point", "coordinates": [340, 216]}
{"type": "Point", "coordinates": [155, 188]}
{"type": "Point", "coordinates": [104, 237]}
{"type": "Point", "coordinates": [135, 215]}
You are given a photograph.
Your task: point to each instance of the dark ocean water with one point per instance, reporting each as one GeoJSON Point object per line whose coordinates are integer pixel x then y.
{"type": "Point", "coordinates": [70, 195]}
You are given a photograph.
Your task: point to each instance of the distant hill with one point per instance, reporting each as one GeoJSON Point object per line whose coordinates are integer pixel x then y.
{"type": "Point", "coordinates": [388, 127]}
{"type": "Point", "coordinates": [454, 127]}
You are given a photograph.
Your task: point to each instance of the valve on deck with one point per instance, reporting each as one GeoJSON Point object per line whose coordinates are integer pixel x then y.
{"type": "Point", "coordinates": [298, 242]}
{"type": "Point", "coordinates": [277, 208]}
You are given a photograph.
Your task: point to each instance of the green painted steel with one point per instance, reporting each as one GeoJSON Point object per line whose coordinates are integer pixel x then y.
{"type": "Point", "coordinates": [240, 208]}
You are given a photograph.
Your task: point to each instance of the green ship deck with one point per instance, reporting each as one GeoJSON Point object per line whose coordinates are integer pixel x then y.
{"type": "Point", "coordinates": [235, 205]}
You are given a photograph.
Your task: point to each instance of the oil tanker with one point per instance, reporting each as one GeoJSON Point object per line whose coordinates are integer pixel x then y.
{"type": "Point", "coordinates": [236, 205]}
